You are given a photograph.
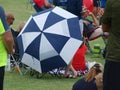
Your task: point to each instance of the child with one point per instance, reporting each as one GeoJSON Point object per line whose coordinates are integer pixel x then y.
{"type": "Point", "coordinates": [92, 80]}
{"type": "Point", "coordinates": [77, 63]}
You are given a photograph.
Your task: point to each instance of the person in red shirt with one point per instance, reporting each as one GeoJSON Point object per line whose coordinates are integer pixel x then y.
{"type": "Point", "coordinates": [41, 5]}
{"type": "Point", "coordinates": [79, 61]}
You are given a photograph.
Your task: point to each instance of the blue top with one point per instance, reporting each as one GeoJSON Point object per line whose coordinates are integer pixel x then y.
{"type": "Point", "coordinates": [75, 7]}
{"type": "Point", "coordinates": [103, 3]}
{"type": "Point", "coordinates": [81, 84]}
{"type": "Point", "coordinates": [60, 2]}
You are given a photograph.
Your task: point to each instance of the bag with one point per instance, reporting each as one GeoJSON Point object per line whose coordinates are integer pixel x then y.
{"type": "Point", "coordinates": [8, 42]}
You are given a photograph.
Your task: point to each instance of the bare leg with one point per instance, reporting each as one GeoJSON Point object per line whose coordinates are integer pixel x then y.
{"type": "Point", "coordinates": [68, 68]}
{"type": "Point", "coordinates": [97, 33]}
{"type": "Point", "coordinates": [74, 72]}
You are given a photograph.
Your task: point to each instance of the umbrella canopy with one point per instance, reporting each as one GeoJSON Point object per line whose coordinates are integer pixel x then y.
{"type": "Point", "coordinates": [49, 39]}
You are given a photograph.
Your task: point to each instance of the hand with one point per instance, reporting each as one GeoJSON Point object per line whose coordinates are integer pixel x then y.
{"type": "Point", "coordinates": [101, 11]}
{"type": "Point", "coordinates": [52, 6]}
{"type": "Point", "coordinates": [86, 22]}
{"type": "Point", "coordinates": [90, 14]}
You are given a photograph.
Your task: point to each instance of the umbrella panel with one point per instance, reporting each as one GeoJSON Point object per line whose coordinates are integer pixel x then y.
{"type": "Point", "coordinates": [44, 46]}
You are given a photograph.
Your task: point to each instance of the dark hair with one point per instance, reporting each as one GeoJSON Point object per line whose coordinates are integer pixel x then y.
{"type": "Point", "coordinates": [97, 68]}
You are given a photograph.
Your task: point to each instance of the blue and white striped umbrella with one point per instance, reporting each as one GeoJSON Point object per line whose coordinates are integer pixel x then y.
{"type": "Point", "coordinates": [49, 39]}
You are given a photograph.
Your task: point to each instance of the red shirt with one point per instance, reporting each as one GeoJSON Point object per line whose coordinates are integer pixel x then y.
{"type": "Point", "coordinates": [39, 3]}
{"type": "Point", "coordinates": [89, 4]}
{"type": "Point", "coordinates": [79, 62]}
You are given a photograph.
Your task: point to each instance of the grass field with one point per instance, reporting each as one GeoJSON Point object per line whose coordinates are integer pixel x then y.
{"type": "Point", "coordinates": [20, 8]}
{"type": "Point", "coordinates": [14, 81]}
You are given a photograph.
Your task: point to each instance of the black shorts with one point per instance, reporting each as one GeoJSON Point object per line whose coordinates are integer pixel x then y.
{"type": "Point", "coordinates": [111, 76]}
{"type": "Point", "coordinates": [2, 71]}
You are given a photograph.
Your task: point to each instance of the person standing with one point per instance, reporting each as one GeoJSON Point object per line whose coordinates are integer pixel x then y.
{"type": "Point", "coordinates": [110, 23]}
{"type": "Point", "coordinates": [3, 52]}
{"type": "Point", "coordinates": [74, 7]}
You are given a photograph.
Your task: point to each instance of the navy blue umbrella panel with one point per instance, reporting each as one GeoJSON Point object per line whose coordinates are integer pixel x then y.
{"type": "Point", "coordinates": [49, 39]}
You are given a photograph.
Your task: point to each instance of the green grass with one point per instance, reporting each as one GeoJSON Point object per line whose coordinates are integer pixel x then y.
{"type": "Point", "coordinates": [20, 8]}
{"type": "Point", "coordinates": [14, 81]}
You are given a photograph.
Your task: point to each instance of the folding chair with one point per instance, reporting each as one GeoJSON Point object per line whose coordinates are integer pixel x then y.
{"type": "Point", "coordinates": [15, 63]}
{"type": "Point", "coordinates": [99, 34]}
{"type": "Point", "coordinates": [88, 44]}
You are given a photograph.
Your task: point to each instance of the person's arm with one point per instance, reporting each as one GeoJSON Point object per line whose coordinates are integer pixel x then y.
{"type": "Point", "coordinates": [105, 28]}
{"type": "Point", "coordinates": [95, 21]}
{"type": "Point", "coordinates": [48, 5]}
{"type": "Point", "coordinates": [99, 81]}
{"type": "Point", "coordinates": [6, 35]}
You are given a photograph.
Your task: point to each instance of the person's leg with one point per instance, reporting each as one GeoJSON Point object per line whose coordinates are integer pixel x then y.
{"type": "Point", "coordinates": [67, 69]}
{"type": "Point", "coordinates": [111, 76]}
{"type": "Point", "coordinates": [2, 77]}
{"type": "Point", "coordinates": [97, 33]}
{"type": "Point", "coordinates": [74, 72]}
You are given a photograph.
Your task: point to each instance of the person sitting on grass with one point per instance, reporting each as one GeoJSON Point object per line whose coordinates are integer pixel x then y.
{"type": "Point", "coordinates": [10, 21]}
{"type": "Point", "coordinates": [40, 5]}
{"type": "Point", "coordinates": [92, 80]}
{"type": "Point", "coordinates": [78, 63]}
